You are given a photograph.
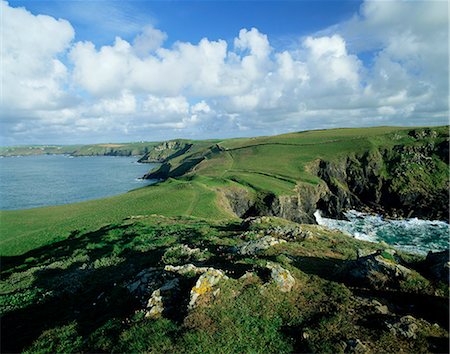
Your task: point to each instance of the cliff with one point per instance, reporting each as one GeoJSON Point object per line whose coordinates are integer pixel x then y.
{"type": "Point", "coordinates": [400, 174]}
{"type": "Point", "coordinates": [165, 151]}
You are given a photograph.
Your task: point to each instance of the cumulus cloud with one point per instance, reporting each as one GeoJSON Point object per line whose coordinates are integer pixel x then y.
{"type": "Point", "coordinates": [32, 73]}
{"type": "Point", "coordinates": [141, 89]}
{"type": "Point", "coordinates": [149, 40]}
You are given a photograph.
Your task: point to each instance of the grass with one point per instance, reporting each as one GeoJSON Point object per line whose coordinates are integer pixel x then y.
{"type": "Point", "coordinates": [24, 230]}
{"type": "Point", "coordinates": [264, 164]}
{"type": "Point", "coordinates": [82, 281]}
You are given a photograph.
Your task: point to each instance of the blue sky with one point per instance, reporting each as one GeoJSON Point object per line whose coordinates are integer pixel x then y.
{"type": "Point", "coordinates": [112, 71]}
{"type": "Point", "coordinates": [190, 21]}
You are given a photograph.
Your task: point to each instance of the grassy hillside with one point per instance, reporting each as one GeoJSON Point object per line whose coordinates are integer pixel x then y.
{"type": "Point", "coordinates": [125, 149]}
{"type": "Point", "coordinates": [23, 230]}
{"type": "Point", "coordinates": [272, 164]}
{"type": "Point", "coordinates": [90, 293]}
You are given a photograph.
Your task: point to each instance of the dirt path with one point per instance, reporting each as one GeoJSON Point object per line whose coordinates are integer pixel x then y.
{"type": "Point", "coordinates": [194, 201]}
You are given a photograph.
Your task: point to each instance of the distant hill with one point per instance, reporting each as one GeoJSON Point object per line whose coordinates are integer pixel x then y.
{"type": "Point", "coordinates": [125, 149]}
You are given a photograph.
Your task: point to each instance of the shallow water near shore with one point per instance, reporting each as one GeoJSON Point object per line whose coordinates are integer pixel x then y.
{"type": "Point", "coordinates": [410, 235]}
{"type": "Point", "coordinates": [45, 180]}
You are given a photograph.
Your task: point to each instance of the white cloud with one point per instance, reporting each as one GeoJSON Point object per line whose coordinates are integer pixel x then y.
{"type": "Point", "coordinates": [32, 75]}
{"type": "Point", "coordinates": [210, 88]}
{"type": "Point", "coordinates": [149, 40]}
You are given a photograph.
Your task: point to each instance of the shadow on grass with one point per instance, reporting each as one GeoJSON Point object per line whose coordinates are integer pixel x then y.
{"type": "Point", "coordinates": [78, 291]}
{"type": "Point", "coordinates": [326, 268]}
{"type": "Point", "coordinates": [59, 249]}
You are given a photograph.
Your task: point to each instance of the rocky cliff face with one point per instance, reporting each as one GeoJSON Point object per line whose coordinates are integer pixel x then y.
{"type": "Point", "coordinates": [165, 151]}
{"type": "Point", "coordinates": [405, 181]}
{"type": "Point", "coordinates": [401, 181]}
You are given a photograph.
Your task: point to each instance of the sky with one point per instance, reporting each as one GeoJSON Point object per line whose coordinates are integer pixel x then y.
{"type": "Point", "coordinates": [121, 71]}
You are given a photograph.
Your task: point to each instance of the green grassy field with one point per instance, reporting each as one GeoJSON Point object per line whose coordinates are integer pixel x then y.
{"type": "Point", "coordinates": [71, 296]}
{"type": "Point", "coordinates": [274, 164]}
{"type": "Point", "coordinates": [23, 230]}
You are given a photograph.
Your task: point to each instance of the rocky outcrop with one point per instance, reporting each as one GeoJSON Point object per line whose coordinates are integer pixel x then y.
{"type": "Point", "coordinates": [406, 327]}
{"type": "Point", "coordinates": [165, 151]}
{"type": "Point", "coordinates": [380, 270]}
{"type": "Point", "coordinates": [256, 246]}
{"type": "Point", "coordinates": [206, 285]}
{"type": "Point", "coordinates": [186, 269]}
{"type": "Point", "coordinates": [437, 266]}
{"type": "Point", "coordinates": [282, 277]}
{"type": "Point", "coordinates": [162, 299]}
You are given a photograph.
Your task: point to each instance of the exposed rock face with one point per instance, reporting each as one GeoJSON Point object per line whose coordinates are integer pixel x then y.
{"type": "Point", "coordinates": [437, 265]}
{"type": "Point", "coordinates": [162, 299]}
{"type": "Point", "coordinates": [206, 285]}
{"type": "Point", "coordinates": [257, 246]}
{"type": "Point", "coordinates": [165, 151]}
{"type": "Point", "coordinates": [282, 277]}
{"type": "Point", "coordinates": [239, 200]}
{"type": "Point", "coordinates": [301, 206]}
{"type": "Point", "coordinates": [402, 181]}
{"type": "Point", "coordinates": [406, 327]}
{"type": "Point", "coordinates": [379, 272]}
{"type": "Point", "coordinates": [186, 269]}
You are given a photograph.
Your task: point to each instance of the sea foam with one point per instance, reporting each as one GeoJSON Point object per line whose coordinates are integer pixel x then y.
{"type": "Point", "coordinates": [412, 235]}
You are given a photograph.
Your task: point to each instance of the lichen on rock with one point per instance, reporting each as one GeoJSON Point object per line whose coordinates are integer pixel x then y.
{"type": "Point", "coordinates": [161, 299]}
{"type": "Point", "coordinates": [206, 285]}
{"type": "Point", "coordinates": [257, 246]}
{"type": "Point", "coordinates": [282, 277]}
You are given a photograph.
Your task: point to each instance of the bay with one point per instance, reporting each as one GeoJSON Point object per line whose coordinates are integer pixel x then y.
{"type": "Point", "coordinates": [45, 180]}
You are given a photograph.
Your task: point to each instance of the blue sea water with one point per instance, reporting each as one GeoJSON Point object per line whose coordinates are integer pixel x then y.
{"type": "Point", "coordinates": [44, 180]}
{"type": "Point", "coordinates": [410, 235]}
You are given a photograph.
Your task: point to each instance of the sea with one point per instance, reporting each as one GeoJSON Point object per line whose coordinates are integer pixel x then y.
{"type": "Point", "coordinates": [44, 180]}
{"type": "Point", "coordinates": [411, 235]}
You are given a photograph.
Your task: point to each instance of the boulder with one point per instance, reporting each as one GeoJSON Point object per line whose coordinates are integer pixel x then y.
{"type": "Point", "coordinates": [438, 265]}
{"type": "Point", "coordinates": [186, 269]}
{"type": "Point", "coordinates": [355, 346]}
{"type": "Point", "coordinates": [206, 285]}
{"type": "Point", "coordinates": [406, 327]}
{"type": "Point", "coordinates": [378, 272]}
{"type": "Point", "coordinates": [162, 299]}
{"type": "Point", "coordinates": [145, 282]}
{"type": "Point", "coordinates": [282, 277]}
{"type": "Point", "coordinates": [257, 246]}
